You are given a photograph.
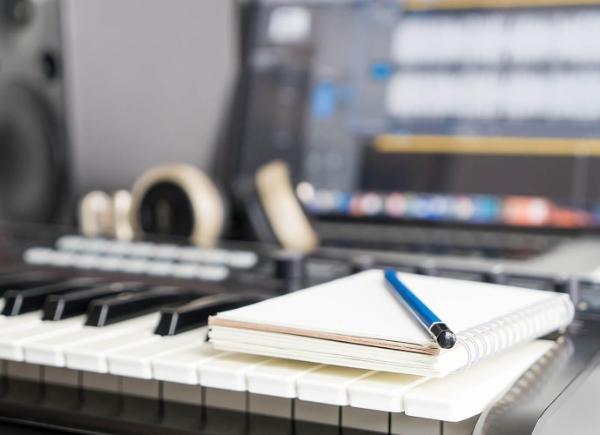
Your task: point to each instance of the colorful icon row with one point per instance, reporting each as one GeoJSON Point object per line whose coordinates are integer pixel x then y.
{"type": "Point", "coordinates": [484, 209]}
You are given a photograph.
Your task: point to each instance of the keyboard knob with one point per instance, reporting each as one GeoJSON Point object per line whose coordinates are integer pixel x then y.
{"type": "Point", "coordinates": [290, 269]}
{"type": "Point", "coordinates": [362, 263]}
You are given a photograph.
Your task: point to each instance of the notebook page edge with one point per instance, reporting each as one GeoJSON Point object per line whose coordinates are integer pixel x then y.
{"type": "Point", "coordinates": [336, 353]}
{"type": "Point", "coordinates": [428, 349]}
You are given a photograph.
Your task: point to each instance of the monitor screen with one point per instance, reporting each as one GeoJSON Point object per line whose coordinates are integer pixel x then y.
{"type": "Point", "coordinates": [468, 112]}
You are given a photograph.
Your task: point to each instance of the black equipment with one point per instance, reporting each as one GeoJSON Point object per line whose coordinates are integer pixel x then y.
{"type": "Point", "coordinates": [34, 157]}
{"type": "Point", "coordinates": [421, 116]}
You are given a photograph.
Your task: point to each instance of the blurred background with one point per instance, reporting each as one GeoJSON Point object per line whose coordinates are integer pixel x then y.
{"type": "Point", "coordinates": [393, 118]}
{"type": "Point", "coordinates": [133, 84]}
{"type": "Point", "coordinates": [149, 81]}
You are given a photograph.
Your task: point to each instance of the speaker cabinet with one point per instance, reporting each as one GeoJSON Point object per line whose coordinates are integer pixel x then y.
{"type": "Point", "coordinates": [138, 83]}
{"type": "Point", "coordinates": [33, 141]}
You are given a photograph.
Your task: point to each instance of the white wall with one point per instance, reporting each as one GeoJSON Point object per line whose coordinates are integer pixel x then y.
{"type": "Point", "coordinates": [149, 81]}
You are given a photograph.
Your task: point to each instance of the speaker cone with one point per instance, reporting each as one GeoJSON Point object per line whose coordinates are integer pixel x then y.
{"type": "Point", "coordinates": [32, 157]}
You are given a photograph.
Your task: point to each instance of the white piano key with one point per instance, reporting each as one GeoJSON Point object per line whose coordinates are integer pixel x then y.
{"type": "Point", "coordinates": [278, 377]}
{"type": "Point", "coordinates": [184, 270]}
{"type": "Point", "coordinates": [242, 259]}
{"type": "Point", "coordinates": [136, 360]}
{"type": "Point", "coordinates": [212, 273]}
{"type": "Point", "coordinates": [14, 323]}
{"type": "Point", "coordinates": [62, 259]}
{"type": "Point", "coordinates": [100, 382]}
{"type": "Point", "coordinates": [269, 405]}
{"type": "Point", "coordinates": [465, 394]}
{"type": "Point", "coordinates": [38, 256]}
{"type": "Point", "coordinates": [180, 393]}
{"type": "Point", "coordinates": [12, 342]}
{"type": "Point", "coordinates": [146, 388]}
{"type": "Point", "coordinates": [317, 412]}
{"type": "Point", "coordinates": [96, 244]}
{"type": "Point", "coordinates": [214, 256]}
{"type": "Point", "coordinates": [51, 351]}
{"type": "Point", "coordinates": [5, 318]}
{"type": "Point", "coordinates": [382, 391]}
{"type": "Point", "coordinates": [182, 365]}
{"type": "Point", "coordinates": [166, 252]}
{"type": "Point", "coordinates": [86, 261]}
{"type": "Point", "coordinates": [403, 424]}
{"type": "Point", "coordinates": [141, 249]}
{"type": "Point", "coordinates": [133, 265]}
{"type": "Point", "coordinates": [329, 384]}
{"type": "Point", "coordinates": [69, 243]}
{"type": "Point", "coordinates": [159, 268]}
{"type": "Point", "coordinates": [190, 254]}
{"type": "Point", "coordinates": [93, 356]}
{"type": "Point", "coordinates": [365, 419]}
{"type": "Point", "coordinates": [109, 263]}
{"type": "Point", "coordinates": [226, 399]}
{"type": "Point", "coordinates": [117, 247]}
{"type": "Point", "coordinates": [228, 371]}
{"type": "Point", "coordinates": [20, 370]}
{"type": "Point", "coordinates": [61, 376]}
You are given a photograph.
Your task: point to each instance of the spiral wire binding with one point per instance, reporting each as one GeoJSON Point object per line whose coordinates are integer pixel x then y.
{"type": "Point", "coordinates": [526, 324]}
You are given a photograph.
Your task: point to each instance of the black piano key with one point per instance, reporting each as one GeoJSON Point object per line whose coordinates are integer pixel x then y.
{"type": "Point", "coordinates": [103, 312]}
{"type": "Point", "coordinates": [175, 320]}
{"type": "Point", "coordinates": [25, 301]}
{"type": "Point", "coordinates": [26, 280]}
{"type": "Point", "coordinates": [59, 307]}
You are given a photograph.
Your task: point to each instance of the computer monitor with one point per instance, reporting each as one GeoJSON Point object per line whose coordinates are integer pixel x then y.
{"type": "Point", "coordinates": [452, 111]}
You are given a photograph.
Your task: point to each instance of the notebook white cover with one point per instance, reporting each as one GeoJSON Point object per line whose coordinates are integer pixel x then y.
{"type": "Point", "coordinates": [358, 321]}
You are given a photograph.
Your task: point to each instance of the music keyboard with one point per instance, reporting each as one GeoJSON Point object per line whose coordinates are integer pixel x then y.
{"type": "Point", "coordinates": [117, 340]}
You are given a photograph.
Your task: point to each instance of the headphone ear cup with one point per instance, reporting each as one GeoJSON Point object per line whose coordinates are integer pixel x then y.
{"type": "Point", "coordinates": [178, 200]}
{"type": "Point", "coordinates": [121, 215]}
{"type": "Point", "coordinates": [275, 212]}
{"type": "Point", "coordinates": [96, 215]}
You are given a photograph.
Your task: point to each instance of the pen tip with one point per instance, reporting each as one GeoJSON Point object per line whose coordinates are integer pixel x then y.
{"type": "Point", "coordinates": [446, 339]}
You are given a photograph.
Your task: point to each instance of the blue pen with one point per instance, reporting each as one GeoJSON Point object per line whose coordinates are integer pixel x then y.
{"type": "Point", "coordinates": [438, 329]}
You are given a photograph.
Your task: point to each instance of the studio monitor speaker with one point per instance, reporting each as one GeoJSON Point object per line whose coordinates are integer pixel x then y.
{"type": "Point", "coordinates": [131, 92]}
{"type": "Point", "coordinates": [33, 140]}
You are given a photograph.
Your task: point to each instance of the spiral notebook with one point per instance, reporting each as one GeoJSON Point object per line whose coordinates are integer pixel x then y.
{"type": "Point", "coordinates": [357, 322]}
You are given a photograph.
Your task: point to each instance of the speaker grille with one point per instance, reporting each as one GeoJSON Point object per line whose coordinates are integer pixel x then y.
{"type": "Point", "coordinates": [33, 148]}
{"type": "Point", "coordinates": [32, 157]}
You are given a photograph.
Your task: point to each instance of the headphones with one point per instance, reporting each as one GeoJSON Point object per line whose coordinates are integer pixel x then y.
{"type": "Point", "coordinates": [274, 211]}
{"type": "Point", "coordinates": [181, 200]}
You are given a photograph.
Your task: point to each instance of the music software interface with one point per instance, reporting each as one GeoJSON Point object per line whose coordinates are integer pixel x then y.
{"type": "Point", "coordinates": [458, 113]}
